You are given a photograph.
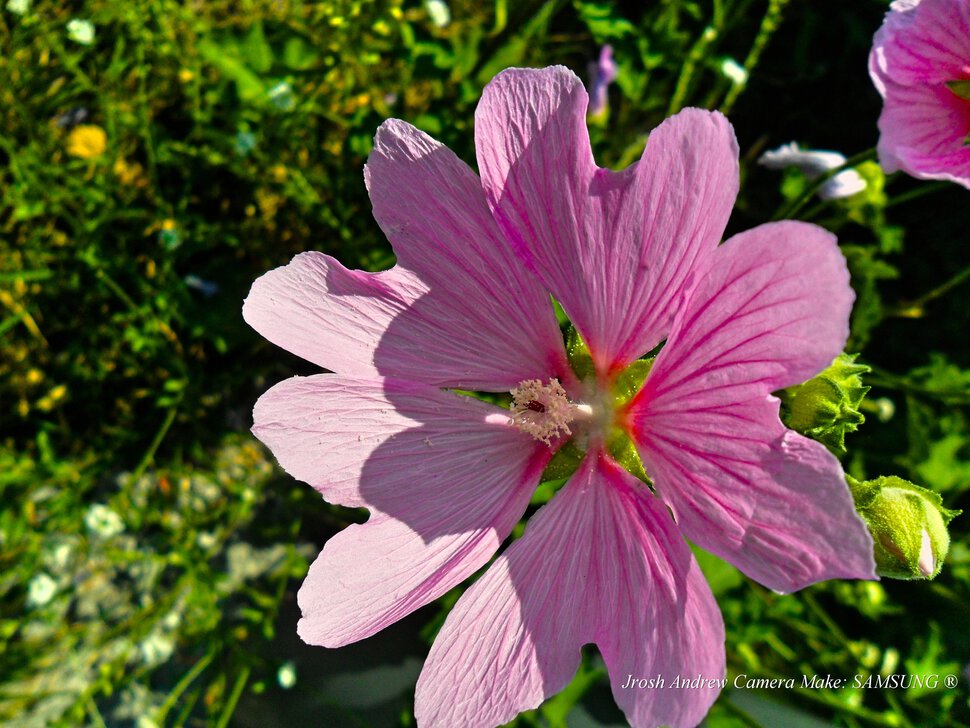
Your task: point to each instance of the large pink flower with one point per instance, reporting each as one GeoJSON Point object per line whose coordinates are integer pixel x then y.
{"type": "Point", "coordinates": [920, 62]}
{"type": "Point", "coordinates": [633, 258]}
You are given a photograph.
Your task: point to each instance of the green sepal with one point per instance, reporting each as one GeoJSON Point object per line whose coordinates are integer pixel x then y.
{"type": "Point", "coordinates": [579, 356]}
{"type": "Point", "coordinates": [897, 514]}
{"type": "Point", "coordinates": [960, 89]}
{"type": "Point", "coordinates": [545, 491]}
{"type": "Point", "coordinates": [630, 381]}
{"type": "Point", "coordinates": [826, 407]}
{"type": "Point", "coordinates": [622, 449]}
{"type": "Point", "coordinates": [559, 469]}
{"type": "Point", "coordinates": [564, 463]}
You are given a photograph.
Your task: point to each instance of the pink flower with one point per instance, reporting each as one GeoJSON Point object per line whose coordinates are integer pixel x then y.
{"type": "Point", "coordinates": [633, 258]}
{"type": "Point", "coordinates": [920, 63]}
{"type": "Point", "coordinates": [602, 74]}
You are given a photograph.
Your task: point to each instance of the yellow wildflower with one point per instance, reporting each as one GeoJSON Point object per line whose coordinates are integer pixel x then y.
{"type": "Point", "coordinates": [87, 141]}
{"type": "Point", "coordinates": [185, 75]}
{"type": "Point", "coordinates": [129, 175]}
{"type": "Point", "coordinates": [268, 203]}
{"type": "Point", "coordinates": [279, 173]}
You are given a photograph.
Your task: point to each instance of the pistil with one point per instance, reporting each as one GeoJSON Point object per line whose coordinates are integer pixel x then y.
{"type": "Point", "coordinates": [544, 411]}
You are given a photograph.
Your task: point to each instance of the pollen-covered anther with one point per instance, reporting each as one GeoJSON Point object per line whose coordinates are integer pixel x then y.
{"type": "Point", "coordinates": [542, 410]}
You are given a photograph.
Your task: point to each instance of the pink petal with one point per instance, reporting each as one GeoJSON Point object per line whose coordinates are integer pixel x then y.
{"type": "Point", "coordinates": [771, 312]}
{"type": "Point", "coordinates": [602, 563]}
{"type": "Point", "coordinates": [446, 478]}
{"type": "Point", "coordinates": [458, 310]}
{"type": "Point", "coordinates": [918, 49]}
{"type": "Point", "coordinates": [614, 248]}
{"type": "Point", "coordinates": [922, 131]}
{"type": "Point", "coordinates": [927, 43]}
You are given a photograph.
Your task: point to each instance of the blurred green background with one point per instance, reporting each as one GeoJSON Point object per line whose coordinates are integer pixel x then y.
{"type": "Point", "coordinates": [157, 156]}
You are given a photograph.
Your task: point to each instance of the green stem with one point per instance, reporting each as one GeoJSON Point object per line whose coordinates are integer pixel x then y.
{"type": "Point", "coordinates": [886, 380]}
{"type": "Point", "coordinates": [816, 184]}
{"type": "Point", "coordinates": [829, 623]}
{"type": "Point", "coordinates": [916, 308]}
{"type": "Point", "coordinates": [740, 713]}
{"type": "Point", "coordinates": [829, 700]}
{"type": "Point", "coordinates": [25, 275]}
{"type": "Point", "coordinates": [182, 685]}
{"type": "Point", "coordinates": [695, 55]}
{"type": "Point", "coordinates": [898, 709]}
{"type": "Point", "coordinates": [237, 690]}
{"type": "Point", "coordinates": [95, 714]}
{"type": "Point", "coordinates": [115, 288]}
{"type": "Point", "coordinates": [501, 16]}
{"type": "Point", "coordinates": [769, 24]}
{"type": "Point", "coordinates": [156, 442]}
{"type": "Point", "coordinates": [914, 194]}
{"type": "Point", "coordinates": [940, 290]}
{"type": "Point", "coordinates": [558, 707]}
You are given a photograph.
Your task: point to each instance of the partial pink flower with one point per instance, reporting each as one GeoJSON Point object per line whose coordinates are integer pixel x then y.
{"type": "Point", "coordinates": [920, 63]}
{"type": "Point", "coordinates": [633, 258]}
{"type": "Point", "coordinates": [602, 74]}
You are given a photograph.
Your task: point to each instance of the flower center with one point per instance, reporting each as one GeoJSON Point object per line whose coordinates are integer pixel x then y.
{"type": "Point", "coordinates": [543, 410]}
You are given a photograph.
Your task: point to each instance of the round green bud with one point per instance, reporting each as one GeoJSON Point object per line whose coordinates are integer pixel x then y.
{"type": "Point", "coordinates": [908, 526]}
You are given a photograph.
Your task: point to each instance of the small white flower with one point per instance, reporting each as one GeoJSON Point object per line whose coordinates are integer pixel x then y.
{"type": "Point", "coordinates": [172, 620]}
{"type": "Point", "coordinates": [41, 590]}
{"type": "Point", "coordinates": [886, 408]}
{"type": "Point", "coordinates": [60, 557]}
{"type": "Point", "coordinates": [281, 96]}
{"type": "Point", "coordinates": [814, 164]}
{"type": "Point", "coordinates": [81, 31]}
{"type": "Point", "coordinates": [286, 675]}
{"type": "Point", "coordinates": [438, 11]}
{"type": "Point", "coordinates": [156, 649]}
{"type": "Point", "coordinates": [734, 71]}
{"type": "Point", "coordinates": [102, 521]}
{"type": "Point", "coordinates": [18, 7]}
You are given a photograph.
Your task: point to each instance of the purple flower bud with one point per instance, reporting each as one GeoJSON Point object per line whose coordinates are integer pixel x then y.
{"type": "Point", "coordinates": [603, 73]}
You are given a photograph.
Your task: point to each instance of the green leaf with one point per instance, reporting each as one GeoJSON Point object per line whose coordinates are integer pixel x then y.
{"type": "Point", "coordinates": [720, 575]}
{"type": "Point", "coordinates": [248, 84]}
{"type": "Point", "coordinates": [299, 55]}
{"type": "Point", "coordinates": [514, 52]}
{"type": "Point", "coordinates": [604, 21]}
{"type": "Point", "coordinates": [557, 708]}
{"type": "Point", "coordinates": [256, 51]}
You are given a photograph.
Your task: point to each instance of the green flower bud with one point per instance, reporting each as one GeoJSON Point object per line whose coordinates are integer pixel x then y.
{"type": "Point", "coordinates": [908, 526]}
{"type": "Point", "coordinates": [826, 407]}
